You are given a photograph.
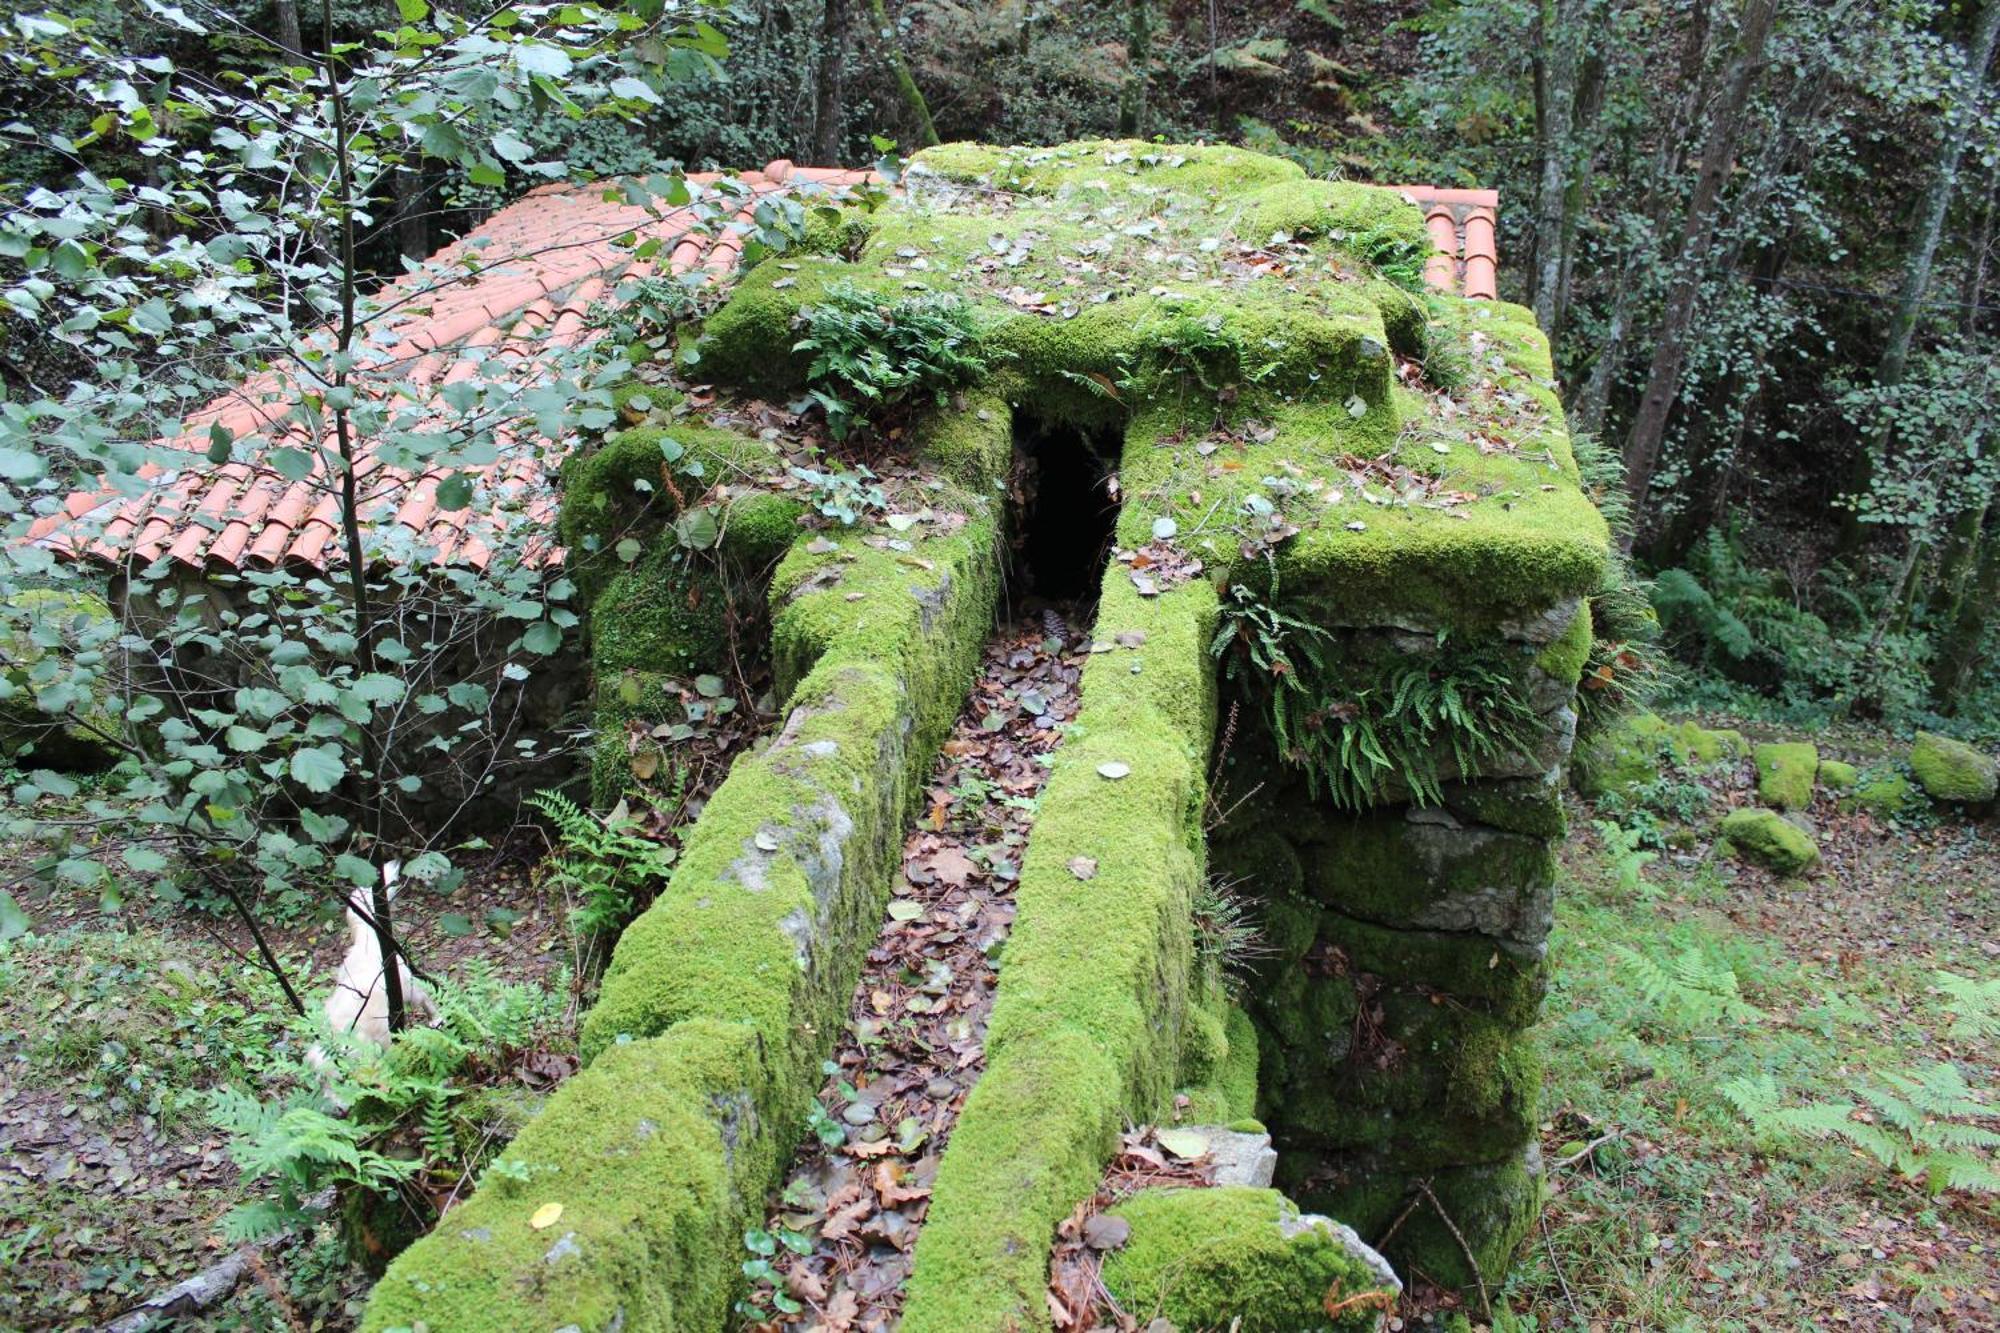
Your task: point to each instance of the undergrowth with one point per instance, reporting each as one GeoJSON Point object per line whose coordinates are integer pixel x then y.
{"type": "Point", "coordinates": [871, 354]}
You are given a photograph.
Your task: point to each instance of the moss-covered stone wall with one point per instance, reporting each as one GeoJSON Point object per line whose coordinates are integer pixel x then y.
{"type": "Point", "coordinates": [1378, 478]}
{"type": "Point", "coordinates": [721, 1000]}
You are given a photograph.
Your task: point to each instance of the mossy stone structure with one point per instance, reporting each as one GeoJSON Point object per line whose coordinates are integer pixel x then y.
{"type": "Point", "coordinates": [1299, 433]}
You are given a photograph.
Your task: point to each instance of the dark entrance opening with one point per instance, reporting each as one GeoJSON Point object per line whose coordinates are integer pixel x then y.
{"type": "Point", "coordinates": [1066, 509]}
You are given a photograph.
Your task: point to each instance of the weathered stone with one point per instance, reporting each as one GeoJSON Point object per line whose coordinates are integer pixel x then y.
{"type": "Point", "coordinates": [1246, 1259]}
{"type": "Point", "coordinates": [1837, 776]}
{"type": "Point", "coordinates": [1239, 1157]}
{"type": "Point", "coordinates": [1427, 871]}
{"type": "Point", "coordinates": [1768, 839]}
{"type": "Point", "coordinates": [1785, 772]}
{"type": "Point", "coordinates": [1950, 770]}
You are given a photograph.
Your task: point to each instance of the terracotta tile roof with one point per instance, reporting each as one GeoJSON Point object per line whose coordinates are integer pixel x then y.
{"type": "Point", "coordinates": [535, 267]}
{"type": "Point", "coordinates": [1461, 223]}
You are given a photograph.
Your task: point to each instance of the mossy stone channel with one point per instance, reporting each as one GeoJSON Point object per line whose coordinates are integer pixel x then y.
{"type": "Point", "coordinates": [1380, 479]}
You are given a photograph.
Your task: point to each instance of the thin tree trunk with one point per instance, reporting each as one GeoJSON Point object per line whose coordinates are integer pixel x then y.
{"type": "Point", "coordinates": [1937, 199]}
{"type": "Point", "coordinates": [1973, 294]}
{"type": "Point", "coordinates": [350, 519]}
{"type": "Point", "coordinates": [1555, 108]}
{"type": "Point", "coordinates": [829, 99]}
{"type": "Point", "coordinates": [1663, 378]}
{"type": "Point", "coordinates": [899, 66]}
{"type": "Point", "coordinates": [1966, 631]}
{"type": "Point", "coordinates": [1588, 413]}
{"type": "Point", "coordinates": [286, 15]}
{"type": "Point", "coordinates": [1132, 118]}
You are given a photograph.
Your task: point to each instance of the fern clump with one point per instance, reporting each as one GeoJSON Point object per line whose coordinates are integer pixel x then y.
{"type": "Point", "coordinates": [392, 1128]}
{"type": "Point", "coordinates": [870, 354]}
{"type": "Point", "coordinates": [1690, 990]}
{"type": "Point", "coordinates": [608, 868]}
{"type": "Point", "coordinates": [1927, 1126]}
{"type": "Point", "coordinates": [1358, 743]}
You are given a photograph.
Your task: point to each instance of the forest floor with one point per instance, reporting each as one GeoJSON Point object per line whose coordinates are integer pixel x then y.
{"type": "Point", "coordinates": [116, 1022]}
{"type": "Point", "coordinates": [1668, 1210]}
{"type": "Point", "coordinates": [1673, 979]}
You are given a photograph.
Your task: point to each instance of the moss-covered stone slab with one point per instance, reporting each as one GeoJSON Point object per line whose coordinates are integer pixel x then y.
{"type": "Point", "coordinates": [1785, 773]}
{"type": "Point", "coordinates": [1952, 771]}
{"type": "Point", "coordinates": [1621, 757]}
{"type": "Point", "coordinates": [1838, 776]}
{"type": "Point", "coordinates": [1244, 1259]}
{"type": "Point", "coordinates": [1886, 792]}
{"type": "Point", "coordinates": [1768, 839]}
{"type": "Point", "coordinates": [1424, 870]}
{"type": "Point", "coordinates": [719, 1002]}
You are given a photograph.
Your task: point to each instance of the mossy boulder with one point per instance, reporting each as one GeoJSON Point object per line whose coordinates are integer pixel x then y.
{"type": "Point", "coordinates": [1887, 793]}
{"type": "Point", "coordinates": [1836, 776]}
{"type": "Point", "coordinates": [1244, 1259]}
{"type": "Point", "coordinates": [1785, 773]}
{"type": "Point", "coordinates": [1621, 757]}
{"type": "Point", "coordinates": [1768, 839]}
{"type": "Point", "coordinates": [1696, 744]}
{"type": "Point", "coordinates": [1952, 771]}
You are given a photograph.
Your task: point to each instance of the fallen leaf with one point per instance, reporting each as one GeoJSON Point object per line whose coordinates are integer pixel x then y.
{"type": "Point", "coordinates": [1083, 867]}
{"type": "Point", "coordinates": [546, 1216]}
{"type": "Point", "coordinates": [1114, 770]}
{"type": "Point", "coordinates": [951, 866]}
{"type": "Point", "coordinates": [1182, 1143]}
{"type": "Point", "coordinates": [1105, 1232]}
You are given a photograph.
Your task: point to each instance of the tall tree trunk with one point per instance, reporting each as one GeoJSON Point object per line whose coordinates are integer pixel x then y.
{"type": "Point", "coordinates": [1965, 629]}
{"type": "Point", "coordinates": [1937, 199]}
{"type": "Point", "coordinates": [1132, 108]}
{"type": "Point", "coordinates": [286, 16]}
{"type": "Point", "coordinates": [906, 83]}
{"type": "Point", "coordinates": [1915, 286]}
{"type": "Point", "coordinates": [1663, 378]}
{"type": "Point", "coordinates": [830, 92]}
{"type": "Point", "coordinates": [1588, 411]}
{"type": "Point", "coordinates": [1555, 107]}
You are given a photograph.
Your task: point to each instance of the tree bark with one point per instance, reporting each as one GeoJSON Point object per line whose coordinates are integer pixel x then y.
{"type": "Point", "coordinates": [1965, 630]}
{"type": "Point", "coordinates": [1132, 118]}
{"type": "Point", "coordinates": [1555, 108]}
{"type": "Point", "coordinates": [1937, 199]}
{"type": "Point", "coordinates": [829, 99]}
{"type": "Point", "coordinates": [906, 83]}
{"type": "Point", "coordinates": [285, 14]}
{"type": "Point", "coordinates": [1663, 378]}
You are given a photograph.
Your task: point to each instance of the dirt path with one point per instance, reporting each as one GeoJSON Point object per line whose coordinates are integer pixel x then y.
{"type": "Point", "coordinates": [839, 1239]}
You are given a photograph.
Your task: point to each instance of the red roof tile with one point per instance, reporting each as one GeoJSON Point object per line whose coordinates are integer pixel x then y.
{"type": "Point", "coordinates": [533, 269]}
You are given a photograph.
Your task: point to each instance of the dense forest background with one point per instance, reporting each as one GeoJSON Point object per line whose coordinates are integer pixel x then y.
{"type": "Point", "coordinates": [1760, 232]}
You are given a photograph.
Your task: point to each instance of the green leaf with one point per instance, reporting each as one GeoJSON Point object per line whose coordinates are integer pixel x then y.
{"type": "Point", "coordinates": [542, 637]}
{"type": "Point", "coordinates": [455, 492]}
{"type": "Point", "coordinates": [413, 11]}
{"type": "Point", "coordinates": [455, 924]}
{"type": "Point", "coordinates": [708, 687]}
{"type": "Point", "coordinates": [542, 58]}
{"type": "Point", "coordinates": [318, 768]}
{"type": "Point", "coordinates": [13, 921]}
{"type": "Point", "coordinates": [511, 147]}
{"type": "Point", "coordinates": [487, 174]}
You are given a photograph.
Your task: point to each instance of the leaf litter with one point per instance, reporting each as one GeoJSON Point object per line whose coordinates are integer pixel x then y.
{"type": "Point", "coordinates": [860, 1186]}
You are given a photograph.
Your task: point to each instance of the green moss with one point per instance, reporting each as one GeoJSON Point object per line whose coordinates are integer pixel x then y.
{"type": "Point", "coordinates": [1434, 1085]}
{"type": "Point", "coordinates": [1951, 770]}
{"type": "Point", "coordinates": [1785, 771]}
{"type": "Point", "coordinates": [1426, 876]}
{"type": "Point", "coordinates": [1562, 658]}
{"type": "Point", "coordinates": [1505, 980]}
{"type": "Point", "coordinates": [1836, 776]}
{"type": "Point", "coordinates": [1770, 840]}
{"type": "Point", "coordinates": [1369, 221]}
{"type": "Point", "coordinates": [638, 479]}
{"type": "Point", "coordinates": [1694, 744]}
{"type": "Point", "coordinates": [1236, 1258]}
{"type": "Point", "coordinates": [1221, 1084]}
{"type": "Point", "coordinates": [1886, 793]}
{"type": "Point", "coordinates": [1530, 806]}
{"type": "Point", "coordinates": [1108, 165]}
{"type": "Point", "coordinates": [721, 999]}
{"type": "Point", "coordinates": [654, 1152]}
{"type": "Point", "coordinates": [1620, 757]}
{"type": "Point", "coordinates": [1491, 1206]}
